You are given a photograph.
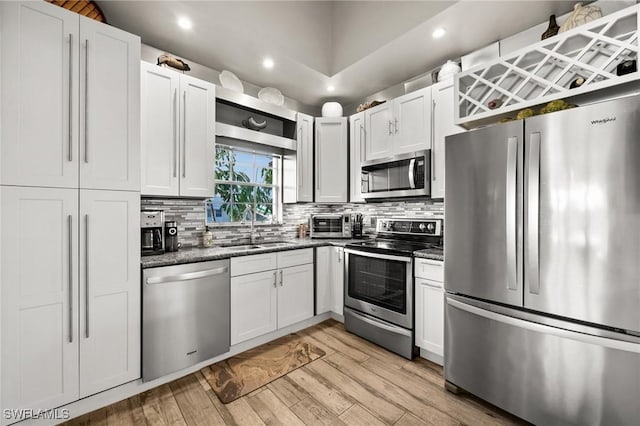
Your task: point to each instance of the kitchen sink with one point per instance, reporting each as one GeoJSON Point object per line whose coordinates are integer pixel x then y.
{"type": "Point", "coordinates": [270, 244]}
{"type": "Point", "coordinates": [276, 244]}
{"type": "Point", "coordinates": [242, 247]}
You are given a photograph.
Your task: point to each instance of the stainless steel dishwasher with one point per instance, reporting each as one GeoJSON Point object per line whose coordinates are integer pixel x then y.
{"type": "Point", "coordinates": [185, 316]}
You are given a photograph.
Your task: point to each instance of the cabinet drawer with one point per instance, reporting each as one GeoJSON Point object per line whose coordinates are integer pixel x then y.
{"type": "Point", "coordinates": [294, 257]}
{"type": "Point", "coordinates": [244, 265]}
{"type": "Point", "coordinates": [430, 269]}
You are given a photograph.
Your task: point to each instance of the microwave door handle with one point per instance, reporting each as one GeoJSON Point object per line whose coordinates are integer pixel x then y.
{"type": "Point", "coordinates": [412, 181]}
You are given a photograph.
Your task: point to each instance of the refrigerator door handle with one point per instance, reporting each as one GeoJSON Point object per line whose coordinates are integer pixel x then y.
{"type": "Point", "coordinates": [511, 212]}
{"type": "Point", "coordinates": [545, 329]}
{"type": "Point", "coordinates": [532, 251]}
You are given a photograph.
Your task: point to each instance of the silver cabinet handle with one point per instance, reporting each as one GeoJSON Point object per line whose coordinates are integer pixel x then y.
{"type": "Point", "coordinates": [70, 298]}
{"type": "Point", "coordinates": [187, 276]}
{"type": "Point", "coordinates": [175, 132]}
{"type": "Point", "coordinates": [281, 273]}
{"type": "Point", "coordinates": [275, 279]}
{"type": "Point", "coordinates": [433, 141]}
{"type": "Point", "coordinates": [70, 96]}
{"type": "Point", "coordinates": [532, 180]}
{"type": "Point", "coordinates": [86, 276]}
{"type": "Point", "coordinates": [390, 128]}
{"type": "Point", "coordinates": [412, 166]}
{"type": "Point", "coordinates": [510, 211]}
{"type": "Point", "coordinates": [184, 135]}
{"type": "Point", "coordinates": [86, 101]}
{"type": "Point", "coordinates": [396, 125]}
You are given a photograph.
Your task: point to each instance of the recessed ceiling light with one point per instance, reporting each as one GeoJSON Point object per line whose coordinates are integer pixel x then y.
{"type": "Point", "coordinates": [439, 32]}
{"type": "Point", "coordinates": [185, 23]}
{"type": "Point", "coordinates": [267, 63]}
{"type": "Point", "coordinates": [330, 88]}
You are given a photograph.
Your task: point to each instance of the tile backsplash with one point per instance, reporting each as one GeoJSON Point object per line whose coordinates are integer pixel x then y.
{"type": "Point", "coordinates": [190, 216]}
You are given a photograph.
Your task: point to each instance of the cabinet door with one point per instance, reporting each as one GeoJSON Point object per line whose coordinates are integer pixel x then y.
{"type": "Point", "coordinates": [324, 280]}
{"type": "Point", "coordinates": [159, 130]}
{"type": "Point", "coordinates": [39, 276]}
{"type": "Point", "coordinates": [109, 107]}
{"type": "Point", "coordinates": [295, 294]}
{"type": "Point", "coordinates": [357, 143]}
{"type": "Point", "coordinates": [379, 130]}
{"type": "Point", "coordinates": [197, 137]}
{"type": "Point", "coordinates": [429, 316]}
{"type": "Point", "coordinates": [254, 305]}
{"type": "Point", "coordinates": [331, 160]}
{"type": "Point", "coordinates": [412, 122]}
{"type": "Point", "coordinates": [443, 113]}
{"type": "Point", "coordinates": [39, 86]}
{"type": "Point", "coordinates": [304, 156]}
{"type": "Point", "coordinates": [109, 289]}
{"type": "Point", "coordinates": [338, 279]}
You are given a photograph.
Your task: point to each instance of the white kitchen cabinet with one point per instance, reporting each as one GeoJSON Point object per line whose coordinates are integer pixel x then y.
{"type": "Point", "coordinates": [357, 143]}
{"type": "Point", "coordinates": [39, 276]}
{"type": "Point", "coordinates": [304, 158]}
{"type": "Point", "coordinates": [178, 133]}
{"type": "Point", "coordinates": [109, 289]}
{"type": "Point", "coordinates": [329, 279]}
{"type": "Point", "coordinates": [399, 126]}
{"type": "Point", "coordinates": [254, 305]}
{"type": "Point", "coordinates": [295, 294]}
{"type": "Point", "coordinates": [429, 317]}
{"type": "Point", "coordinates": [70, 100]}
{"type": "Point", "coordinates": [39, 75]}
{"type": "Point", "coordinates": [109, 107]}
{"type": "Point", "coordinates": [331, 149]}
{"type": "Point", "coordinates": [379, 130]}
{"type": "Point", "coordinates": [443, 112]}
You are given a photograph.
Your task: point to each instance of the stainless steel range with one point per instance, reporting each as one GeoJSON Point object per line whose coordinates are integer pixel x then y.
{"type": "Point", "coordinates": [379, 292]}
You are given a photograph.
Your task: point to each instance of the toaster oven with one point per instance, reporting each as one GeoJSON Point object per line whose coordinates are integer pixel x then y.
{"type": "Point", "coordinates": [331, 226]}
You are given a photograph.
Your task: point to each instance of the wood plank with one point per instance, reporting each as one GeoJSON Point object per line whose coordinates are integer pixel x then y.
{"type": "Point", "coordinates": [94, 418]}
{"type": "Point", "coordinates": [222, 409]}
{"type": "Point", "coordinates": [337, 345]}
{"type": "Point", "coordinates": [194, 403]}
{"type": "Point", "coordinates": [390, 391]}
{"type": "Point", "coordinates": [136, 410]}
{"type": "Point", "coordinates": [160, 407]}
{"type": "Point", "coordinates": [359, 416]}
{"type": "Point", "coordinates": [410, 420]}
{"type": "Point", "coordinates": [312, 413]}
{"type": "Point", "coordinates": [329, 396]}
{"type": "Point", "coordinates": [380, 406]}
{"type": "Point", "coordinates": [287, 391]}
{"type": "Point", "coordinates": [426, 370]}
{"type": "Point", "coordinates": [243, 413]}
{"type": "Point", "coordinates": [310, 336]}
{"type": "Point", "coordinates": [120, 414]}
{"type": "Point", "coordinates": [435, 396]}
{"type": "Point", "coordinates": [272, 410]}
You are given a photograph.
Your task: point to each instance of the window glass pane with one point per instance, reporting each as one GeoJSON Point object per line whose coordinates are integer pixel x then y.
{"type": "Point", "coordinates": [264, 212]}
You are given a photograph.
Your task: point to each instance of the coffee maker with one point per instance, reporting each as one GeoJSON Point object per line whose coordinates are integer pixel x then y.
{"type": "Point", "coordinates": [152, 232]}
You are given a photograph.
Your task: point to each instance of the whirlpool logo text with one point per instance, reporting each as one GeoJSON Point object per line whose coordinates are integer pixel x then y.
{"type": "Point", "coordinates": [603, 120]}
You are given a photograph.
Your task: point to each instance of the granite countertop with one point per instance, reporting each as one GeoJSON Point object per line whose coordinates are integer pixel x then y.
{"type": "Point", "coordinates": [203, 254]}
{"type": "Point", "coordinates": [430, 253]}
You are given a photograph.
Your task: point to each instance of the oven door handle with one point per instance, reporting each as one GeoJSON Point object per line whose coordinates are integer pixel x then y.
{"type": "Point", "coordinates": [379, 256]}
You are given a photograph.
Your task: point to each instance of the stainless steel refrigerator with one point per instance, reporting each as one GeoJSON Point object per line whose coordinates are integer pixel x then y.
{"type": "Point", "coordinates": [542, 265]}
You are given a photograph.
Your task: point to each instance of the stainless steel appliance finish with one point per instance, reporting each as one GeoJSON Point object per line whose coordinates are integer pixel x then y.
{"type": "Point", "coordinates": [151, 232]}
{"type": "Point", "coordinates": [570, 255]}
{"type": "Point", "coordinates": [402, 176]}
{"type": "Point", "coordinates": [185, 316]}
{"type": "Point", "coordinates": [332, 225]}
{"type": "Point", "coordinates": [379, 286]}
{"type": "Point", "coordinates": [171, 236]}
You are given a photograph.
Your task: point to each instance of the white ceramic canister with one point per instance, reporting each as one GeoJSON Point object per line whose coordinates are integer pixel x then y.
{"type": "Point", "coordinates": [331, 109]}
{"type": "Point", "coordinates": [448, 70]}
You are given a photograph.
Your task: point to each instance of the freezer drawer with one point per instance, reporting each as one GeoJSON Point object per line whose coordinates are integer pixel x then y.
{"type": "Point", "coordinates": [545, 374]}
{"type": "Point", "coordinates": [185, 316]}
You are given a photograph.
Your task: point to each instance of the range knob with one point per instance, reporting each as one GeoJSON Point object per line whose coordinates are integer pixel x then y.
{"type": "Point", "coordinates": [422, 227]}
{"type": "Point", "coordinates": [429, 228]}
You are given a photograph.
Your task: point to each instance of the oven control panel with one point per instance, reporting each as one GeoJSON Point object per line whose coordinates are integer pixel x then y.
{"type": "Point", "coordinates": [410, 226]}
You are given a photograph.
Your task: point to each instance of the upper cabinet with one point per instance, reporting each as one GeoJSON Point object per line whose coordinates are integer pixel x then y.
{"type": "Point", "coordinates": [443, 107]}
{"type": "Point", "coordinates": [357, 144]}
{"type": "Point", "coordinates": [331, 148]}
{"type": "Point", "coordinates": [70, 89]}
{"type": "Point", "coordinates": [304, 158]}
{"type": "Point", "coordinates": [399, 126]}
{"type": "Point", "coordinates": [178, 133]}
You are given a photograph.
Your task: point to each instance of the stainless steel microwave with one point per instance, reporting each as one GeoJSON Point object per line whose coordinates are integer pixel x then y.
{"type": "Point", "coordinates": [402, 176]}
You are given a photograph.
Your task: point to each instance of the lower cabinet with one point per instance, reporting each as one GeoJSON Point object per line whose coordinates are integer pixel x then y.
{"type": "Point", "coordinates": [329, 279]}
{"type": "Point", "coordinates": [262, 302]}
{"type": "Point", "coordinates": [70, 290]}
{"type": "Point", "coordinates": [429, 318]}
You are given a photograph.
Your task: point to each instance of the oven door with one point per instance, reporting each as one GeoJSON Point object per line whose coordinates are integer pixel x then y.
{"type": "Point", "coordinates": [380, 285]}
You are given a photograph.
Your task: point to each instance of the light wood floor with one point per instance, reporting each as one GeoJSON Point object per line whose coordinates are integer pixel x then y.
{"type": "Point", "coordinates": [355, 383]}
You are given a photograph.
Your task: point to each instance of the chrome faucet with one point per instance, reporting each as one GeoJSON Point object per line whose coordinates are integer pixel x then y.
{"type": "Point", "coordinates": [249, 208]}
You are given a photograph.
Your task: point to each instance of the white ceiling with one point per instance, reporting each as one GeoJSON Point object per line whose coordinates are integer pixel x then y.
{"type": "Point", "coordinates": [360, 47]}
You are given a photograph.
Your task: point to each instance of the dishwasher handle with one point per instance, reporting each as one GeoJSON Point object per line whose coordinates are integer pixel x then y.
{"type": "Point", "coordinates": [187, 276]}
